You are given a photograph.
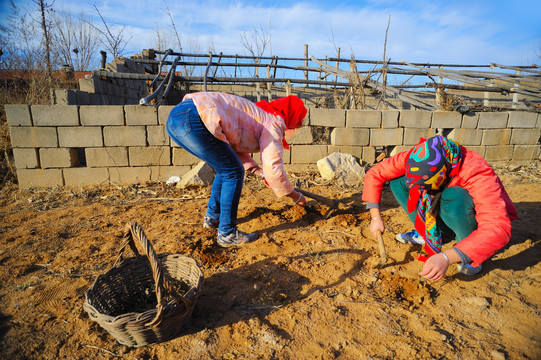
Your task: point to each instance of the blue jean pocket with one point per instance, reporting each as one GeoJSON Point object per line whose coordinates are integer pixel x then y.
{"type": "Point", "coordinates": [178, 124]}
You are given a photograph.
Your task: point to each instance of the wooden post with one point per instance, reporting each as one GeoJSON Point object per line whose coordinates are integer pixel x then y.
{"type": "Point", "coordinates": [306, 63]}
{"type": "Point", "coordinates": [269, 91]}
{"type": "Point", "coordinates": [515, 94]}
{"type": "Point", "coordinates": [337, 65]}
{"type": "Point", "coordinates": [257, 84]}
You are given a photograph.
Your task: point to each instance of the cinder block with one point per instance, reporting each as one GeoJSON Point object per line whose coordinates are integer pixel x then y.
{"type": "Point", "coordinates": [301, 136]}
{"type": "Point", "coordinates": [386, 137]}
{"type": "Point", "coordinates": [141, 115]}
{"type": "Point", "coordinates": [496, 137]}
{"type": "Point", "coordinates": [356, 151]}
{"type": "Point", "coordinates": [150, 155]}
{"type": "Point", "coordinates": [64, 97]}
{"type": "Point", "coordinates": [55, 115]}
{"type": "Point", "coordinates": [327, 117]}
{"type": "Point", "coordinates": [286, 156]}
{"type": "Point", "coordinates": [163, 113]}
{"type": "Point", "coordinates": [18, 115]}
{"type": "Point", "coordinates": [84, 176]}
{"type": "Point", "coordinates": [58, 157]}
{"type": "Point", "coordinates": [389, 119]}
{"type": "Point", "coordinates": [350, 137]}
{"type": "Point", "coordinates": [525, 152]}
{"type": "Point", "coordinates": [522, 119]}
{"type": "Point", "coordinates": [92, 115]}
{"type": "Point", "coordinates": [80, 137]}
{"type": "Point", "coordinates": [300, 168]}
{"type": "Point", "coordinates": [399, 149]}
{"type": "Point", "coordinates": [478, 149]}
{"type": "Point", "coordinates": [83, 98]}
{"type": "Point", "coordinates": [182, 157]}
{"type": "Point", "coordinates": [157, 136]}
{"type": "Point", "coordinates": [466, 136]}
{"type": "Point", "coordinates": [470, 121]}
{"type": "Point", "coordinates": [33, 137]}
{"type": "Point", "coordinates": [308, 153]}
{"type": "Point", "coordinates": [493, 120]}
{"type": "Point", "coordinates": [106, 156]}
{"type": "Point", "coordinates": [412, 136]}
{"type": "Point", "coordinates": [39, 178]}
{"type": "Point", "coordinates": [129, 175]}
{"type": "Point", "coordinates": [525, 136]}
{"type": "Point", "coordinates": [446, 120]}
{"type": "Point", "coordinates": [125, 136]}
{"type": "Point", "coordinates": [363, 118]}
{"type": "Point", "coordinates": [499, 153]}
{"type": "Point", "coordinates": [26, 158]}
{"type": "Point", "coordinates": [163, 173]}
{"type": "Point", "coordinates": [369, 155]}
{"type": "Point", "coordinates": [415, 119]}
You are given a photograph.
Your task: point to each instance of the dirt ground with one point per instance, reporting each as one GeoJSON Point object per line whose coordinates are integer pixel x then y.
{"type": "Point", "coordinates": [309, 288]}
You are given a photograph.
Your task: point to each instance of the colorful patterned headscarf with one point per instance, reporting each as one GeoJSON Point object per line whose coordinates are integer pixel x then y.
{"type": "Point", "coordinates": [430, 167]}
{"type": "Point", "coordinates": [290, 108]}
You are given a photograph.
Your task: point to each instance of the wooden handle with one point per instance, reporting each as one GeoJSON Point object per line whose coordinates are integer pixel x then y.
{"type": "Point", "coordinates": [322, 199]}
{"type": "Point", "coordinates": [382, 253]}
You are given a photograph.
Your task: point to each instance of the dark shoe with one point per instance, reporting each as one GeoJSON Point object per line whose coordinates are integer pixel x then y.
{"type": "Point", "coordinates": [210, 223]}
{"type": "Point", "coordinates": [469, 270]}
{"type": "Point", "coordinates": [411, 237]}
{"type": "Point", "coordinates": [236, 238]}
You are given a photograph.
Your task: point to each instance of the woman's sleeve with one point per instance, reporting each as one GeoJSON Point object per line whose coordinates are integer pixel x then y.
{"type": "Point", "coordinates": [376, 177]}
{"type": "Point", "coordinates": [272, 162]}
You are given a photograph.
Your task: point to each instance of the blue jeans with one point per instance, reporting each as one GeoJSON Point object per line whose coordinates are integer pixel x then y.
{"type": "Point", "coordinates": [457, 210]}
{"type": "Point", "coordinates": [185, 127]}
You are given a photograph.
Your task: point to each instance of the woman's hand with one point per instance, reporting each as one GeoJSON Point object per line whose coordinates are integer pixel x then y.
{"type": "Point", "coordinates": [377, 225]}
{"type": "Point", "coordinates": [298, 198]}
{"type": "Point", "coordinates": [435, 267]}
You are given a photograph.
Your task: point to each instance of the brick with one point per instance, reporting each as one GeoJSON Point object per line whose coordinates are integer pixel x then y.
{"type": "Point", "coordinates": [415, 119]}
{"type": "Point", "coordinates": [363, 118]}
{"type": "Point", "coordinates": [446, 120]}
{"type": "Point", "coordinates": [129, 175]}
{"type": "Point", "coordinates": [80, 137]}
{"type": "Point", "coordinates": [182, 157]}
{"type": "Point", "coordinates": [18, 115]}
{"type": "Point", "coordinates": [525, 152]}
{"type": "Point", "coordinates": [33, 137]}
{"type": "Point", "coordinates": [163, 173]}
{"type": "Point", "coordinates": [106, 156]}
{"type": "Point", "coordinates": [58, 157]}
{"type": "Point", "coordinates": [386, 137]}
{"type": "Point", "coordinates": [157, 136]}
{"type": "Point", "coordinates": [328, 117]}
{"type": "Point", "coordinates": [356, 151]}
{"type": "Point", "coordinates": [26, 158]}
{"type": "Point", "coordinates": [125, 136]}
{"type": "Point", "coordinates": [389, 119]}
{"type": "Point", "coordinates": [493, 120]}
{"type": "Point", "coordinates": [84, 176]}
{"type": "Point", "coordinates": [163, 113]}
{"type": "Point", "coordinates": [150, 155]}
{"type": "Point", "coordinates": [350, 137]}
{"type": "Point", "coordinates": [499, 153]}
{"type": "Point", "coordinates": [93, 115]}
{"type": "Point", "coordinates": [522, 119]}
{"type": "Point", "coordinates": [141, 115]}
{"type": "Point", "coordinates": [496, 137]}
{"type": "Point", "coordinates": [470, 121]}
{"type": "Point", "coordinates": [55, 115]}
{"type": "Point", "coordinates": [39, 178]}
{"type": "Point", "coordinates": [301, 136]}
{"type": "Point", "coordinates": [412, 136]}
{"type": "Point", "coordinates": [466, 136]}
{"type": "Point", "coordinates": [308, 153]}
{"type": "Point", "coordinates": [525, 136]}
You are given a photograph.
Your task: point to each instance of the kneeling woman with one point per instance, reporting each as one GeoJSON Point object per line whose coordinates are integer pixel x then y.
{"type": "Point", "coordinates": [445, 189]}
{"type": "Point", "coordinates": [223, 130]}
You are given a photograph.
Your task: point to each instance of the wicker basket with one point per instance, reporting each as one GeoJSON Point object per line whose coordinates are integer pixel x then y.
{"type": "Point", "coordinates": [115, 296]}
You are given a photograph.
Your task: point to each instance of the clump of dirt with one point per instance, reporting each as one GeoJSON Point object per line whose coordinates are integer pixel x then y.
{"type": "Point", "coordinates": [411, 293]}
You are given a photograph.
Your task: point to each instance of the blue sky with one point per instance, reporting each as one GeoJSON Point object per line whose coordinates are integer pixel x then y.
{"type": "Point", "coordinates": [459, 32]}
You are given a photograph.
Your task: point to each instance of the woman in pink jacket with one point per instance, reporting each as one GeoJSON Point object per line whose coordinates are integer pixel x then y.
{"type": "Point", "coordinates": [445, 189]}
{"type": "Point", "coordinates": [223, 130]}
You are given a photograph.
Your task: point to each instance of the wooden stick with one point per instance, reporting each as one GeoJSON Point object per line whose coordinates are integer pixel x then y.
{"type": "Point", "coordinates": [382, 253]}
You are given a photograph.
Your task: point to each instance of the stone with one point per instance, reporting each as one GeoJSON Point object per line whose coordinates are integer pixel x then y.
{"type": "Point", "coordinates": [342, 168]}
{"type": "Point", "coordinates": [200, 175]}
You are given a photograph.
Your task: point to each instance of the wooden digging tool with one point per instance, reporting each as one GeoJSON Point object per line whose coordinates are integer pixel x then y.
{"type": "Point", "coordinates": [331, 203]}
{"type": "Point", "coordinates": [382, 253]}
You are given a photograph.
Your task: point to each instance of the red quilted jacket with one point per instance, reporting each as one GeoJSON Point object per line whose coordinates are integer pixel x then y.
{"type": "Point", "coordinates": [494, 209]}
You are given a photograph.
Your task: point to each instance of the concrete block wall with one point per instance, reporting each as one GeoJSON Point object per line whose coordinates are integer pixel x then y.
{"type": "Point", "coordinates": [64, 145]}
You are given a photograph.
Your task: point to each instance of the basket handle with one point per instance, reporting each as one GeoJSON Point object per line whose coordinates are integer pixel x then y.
{"type": "Point", "coordinates": [132, 232]}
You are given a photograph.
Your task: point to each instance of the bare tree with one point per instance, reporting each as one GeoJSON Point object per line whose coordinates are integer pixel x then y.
{"type": "Point", "coordinates": [113, 37]}
{"type": "Point", "coordinates": [173, 26]}
{"type": "Point", "coordinates": [75, 41]}
{"type": "Point", "coordinates": [255, 41]}
{"type": "Point", "coordinates": [46, 24]}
